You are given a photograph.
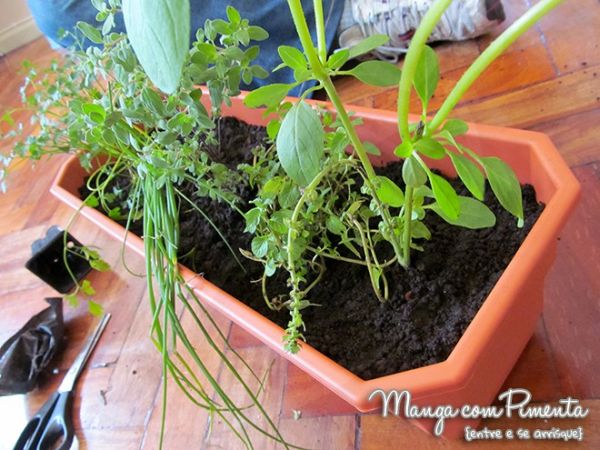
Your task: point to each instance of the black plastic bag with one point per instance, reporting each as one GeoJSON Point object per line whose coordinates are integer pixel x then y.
{"type": "Point", "coordinates": [30, 350]}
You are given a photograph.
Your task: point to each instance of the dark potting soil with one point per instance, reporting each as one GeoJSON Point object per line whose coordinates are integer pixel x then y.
{"type": "Point", "coordinates": [430, 305]}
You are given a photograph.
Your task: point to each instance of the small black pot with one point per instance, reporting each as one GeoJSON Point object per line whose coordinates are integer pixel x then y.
{"type": "Point", "coordinates": [48, 264]}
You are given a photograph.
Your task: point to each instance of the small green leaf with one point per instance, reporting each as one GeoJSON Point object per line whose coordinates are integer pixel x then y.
{"type": "Point", "coordinates": [272, 188]}
{"type": "Point", "coordinates": [335, 225]}
{"type": "Point", "coordinates": [427, 75]}
{"type": "Point", "coordinates": [233, 15]}
{"type": "Point", "coordinates": [300, 143]}
{"type": "Point", "coordinates": [389, 192]}
{"type": "Point", "coordinates": [86, 288]}
{"type": "Point", "coordinates": [95, 112]}
{"type": "Point", "coordinates": [404, 150]}
{"type": "Point", "coordinates": [115, 213]}
{"type": "Point", "coordinates": [91, 201]}
{"type": "Point", "coordinates": [412, 173]}
{"type": "Point", "coordinates": [90, 32]}
{"type": "Point", "coordinates": [368, 44]}
{"type": "Point", "coordinates": [260, 246]}
{"type": "Point", "coordinates": [446, 196]}
{"type": "Point", "coordinates": [419, 230]}
{"type": "Point", "coordinates": [505, 185]}
{"type": "Point", "coordinates": [270, 95]}
{"type": "Point", "coordinates": [293, 57]}
{"type": "Point", "coordinates": [456, 127]}
{"type": "Point", "coordinates": [430, 147]}
{"type": "Point", "coordinates": [371, 148]}
{"type": "Point", "coordinates": [377, 73]}
{"type": "Point", "coordinates": [100, 265]}
{"type": "Point", "coordinates": [257, 33]}
{"type": "Point", "coordinates": [273, 128]}
{"type": "Point", "coordinates": [473, 214]}
{"type": "Point", "coordinates": [152, 101]}
{"type": "Point", "coordinates": [470, 174]}
{"type": "Point", "coordinates": [94, 308]}
{"type": "Point", "coordinates": [252, 219]}
{"type": "Point", "coordinates": [338, 59]}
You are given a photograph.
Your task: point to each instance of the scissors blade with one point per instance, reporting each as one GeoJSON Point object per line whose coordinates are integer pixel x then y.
{"type": "Point", "coordinates": [70, 378]}
{"type": "Point", "coordinates": [75, 444]}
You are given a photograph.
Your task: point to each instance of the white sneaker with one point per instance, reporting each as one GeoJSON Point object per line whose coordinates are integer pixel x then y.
{"type": "Point", "coordinates": [464, 19]}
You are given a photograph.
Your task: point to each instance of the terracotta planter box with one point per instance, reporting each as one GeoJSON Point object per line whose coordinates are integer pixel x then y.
{"type": "Point", "coordinates": [476, 369]}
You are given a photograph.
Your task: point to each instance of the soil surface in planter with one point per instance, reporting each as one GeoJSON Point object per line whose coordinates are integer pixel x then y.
{"type": "Point", "coordinates": [430, 305]}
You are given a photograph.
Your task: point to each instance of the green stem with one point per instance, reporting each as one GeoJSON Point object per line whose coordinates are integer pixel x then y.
{"type": "Point", "coordinates": [321, 74]}
{"type": "Point", "coordinates": [411, 61]}
{"type": "Point", "coordinates": [408, 203]}
{"type": "Point", "coordinates": [320, 25]}
{"type": "Point", "coordinates": [496, 48]}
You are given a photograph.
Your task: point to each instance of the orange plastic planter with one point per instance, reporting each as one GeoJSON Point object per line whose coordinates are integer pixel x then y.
{"type": "Point", "coordinates": [489, 348]}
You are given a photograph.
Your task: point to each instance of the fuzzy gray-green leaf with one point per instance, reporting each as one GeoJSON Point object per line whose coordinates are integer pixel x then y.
{"type": "Point", "coordinates": [159, 32]}
{"type": "Point", "coordinates": [300, 143]}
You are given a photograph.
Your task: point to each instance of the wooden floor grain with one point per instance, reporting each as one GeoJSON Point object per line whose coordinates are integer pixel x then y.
{"type": "Point", "coordinates": [548, 82]}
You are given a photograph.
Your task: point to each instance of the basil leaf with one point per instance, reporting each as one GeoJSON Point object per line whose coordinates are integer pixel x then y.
{"type": "Point", "coordinates": [456, 127]}
{"type": "Point", "coordinates": [505, 185]}
{"type": "Point", "coordinates": [430, 147]}
{"type": "Point", "coordinates": [293, 57]}
{"type": "Point", "coordinates": [445, 195]}
{"type": "Point", "coordinates": [473, 214]}
{"type": "Point", "coordinates": [427, 75]}
{"type": "Point", "coordinates": [470, 174]}
{"type": "Point", "coordinates": [159, 32]}
{"type": "Point", "coordinates": [377, 73]}
{"type": "Point", "coordinates": [270, 95]}
{"type": "Point", "coordinates": [368, 44]}
{"type": "Point", "coordinates": [338, 59]}
{"type": "Point", "coordinates": [389, 192]}
{"type": "Point", "coordinates": [300, 143]}
{"type": "Point", "coordinates": [412, 173]}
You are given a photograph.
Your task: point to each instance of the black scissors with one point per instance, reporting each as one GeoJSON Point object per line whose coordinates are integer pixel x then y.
{"type": "Point", "coordinates": [53, 422]}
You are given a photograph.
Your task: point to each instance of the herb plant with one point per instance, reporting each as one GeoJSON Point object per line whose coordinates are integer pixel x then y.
{"type": "Point", "coordinates": [100, 105]}
{"type": "Point", "coordinates": [293, 233]}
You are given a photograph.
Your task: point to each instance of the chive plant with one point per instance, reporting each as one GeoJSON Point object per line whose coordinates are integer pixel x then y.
{"type": "Point", "coordinates": [100, 105]}
{"type": "Point", "coordinates": [299, 209]}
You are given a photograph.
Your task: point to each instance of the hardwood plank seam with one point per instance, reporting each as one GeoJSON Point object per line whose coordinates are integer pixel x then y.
{"type": "Point", "coordinates": [544, 42]}
{"type": "Point", "coordinates": [357, 432]}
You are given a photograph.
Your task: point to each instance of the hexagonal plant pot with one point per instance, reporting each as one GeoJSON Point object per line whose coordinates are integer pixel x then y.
{"type": "Point", "coordinates": [484, 356]}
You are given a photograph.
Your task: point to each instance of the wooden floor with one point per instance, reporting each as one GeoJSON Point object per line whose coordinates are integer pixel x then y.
{"type": "Point", "coordinates": [549, 82]}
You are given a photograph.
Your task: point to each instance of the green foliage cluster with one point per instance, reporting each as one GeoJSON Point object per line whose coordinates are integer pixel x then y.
{"type": "Point", "coordinates": [101, 105]}
{"type": "Point", "coordinates": [315, 171]}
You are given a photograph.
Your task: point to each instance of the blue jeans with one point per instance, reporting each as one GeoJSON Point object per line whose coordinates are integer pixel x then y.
{"type": "Point", "coordinates": [272, 15]}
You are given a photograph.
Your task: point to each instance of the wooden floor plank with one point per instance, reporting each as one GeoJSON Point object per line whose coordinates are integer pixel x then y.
{"type": "Point", "coordinates": [572, 306]}
{"type": "Point", "coordinates": [550, 100]}
{"type": "Point", "coordinates": [573, 50]}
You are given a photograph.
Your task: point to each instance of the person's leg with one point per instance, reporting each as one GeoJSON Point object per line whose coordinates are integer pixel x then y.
{"type": "Point", "coordinates": [464, 19]}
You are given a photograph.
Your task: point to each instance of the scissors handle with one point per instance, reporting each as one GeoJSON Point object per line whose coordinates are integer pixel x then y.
{"type": "Point", "coordinates": [52, 424]}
